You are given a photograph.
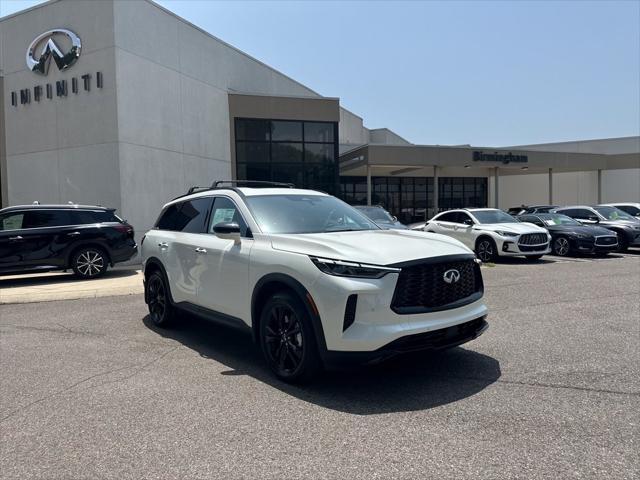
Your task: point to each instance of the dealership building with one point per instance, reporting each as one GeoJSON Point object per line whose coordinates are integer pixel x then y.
{"type": "Point", "coordinates": [124, 104]}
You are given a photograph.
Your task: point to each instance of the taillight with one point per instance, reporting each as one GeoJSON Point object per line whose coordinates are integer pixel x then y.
{"type": "Point", "coordinates": [128, 229]}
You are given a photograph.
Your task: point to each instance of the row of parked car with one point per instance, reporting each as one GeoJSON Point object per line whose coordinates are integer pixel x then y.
{"type": "Point", "coordinates": [532, 231]}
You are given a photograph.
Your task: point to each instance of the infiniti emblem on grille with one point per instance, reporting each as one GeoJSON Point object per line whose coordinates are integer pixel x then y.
{"type": "Point", "coordinates": [451, 276]}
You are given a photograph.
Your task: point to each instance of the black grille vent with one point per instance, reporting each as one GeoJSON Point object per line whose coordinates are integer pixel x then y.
{"type": "Point", "coordinates": [532, 239]}
{"type": "Point", "coordinates": [422, 287]}
{"type": "Point", "coordinates": [606, 240]}
{"type": "Point", "coordinates": [350, 312]}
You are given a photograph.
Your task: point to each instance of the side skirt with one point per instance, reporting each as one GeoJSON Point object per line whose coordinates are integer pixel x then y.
{"type": "Point", "coordinates": [213, 316]}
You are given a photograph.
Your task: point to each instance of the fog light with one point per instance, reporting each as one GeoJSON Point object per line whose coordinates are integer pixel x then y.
{"type": "Point", "coordinates": [506, 245]}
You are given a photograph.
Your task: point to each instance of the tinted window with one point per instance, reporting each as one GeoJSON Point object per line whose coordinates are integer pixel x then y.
{"type": "Point", "coordinates": [318, 132]}
{"type": "Point", "coordinates": [448, 217]}
{"type": "Point", "coordinates": [282, 131]}
{"type": "Point", "coordinates": [45, 218]}
{"type": "Point", "coordinates": [613, 213]}
{"type": "Point", "coordinates": [631, 210]}
{"type": "Point", "coordinates": [189, 216]}
{"type": "Point", "coordinates": [582, 213]}
{"type": "Point", "coordinates": [531, 219]}
{"type": "Point", "coordinates": [81, 217]}
{"type": "Point", "coordinates": [225, 211]}
{"type": "Point", "coordinates": [11, 221]}
{"type": "Point", "coordinates": [193, 215]}
{"type": "Point", "coordinates": [464, 219]}
{"type": "Point", "coordinates": [105, 216]}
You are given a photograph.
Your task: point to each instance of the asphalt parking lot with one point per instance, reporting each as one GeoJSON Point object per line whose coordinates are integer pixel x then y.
{"type": "Point", "coordinates": [89, 389]}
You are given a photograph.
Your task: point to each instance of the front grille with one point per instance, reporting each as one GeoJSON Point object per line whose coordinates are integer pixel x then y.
{"type": "Point", "coordinates": [422, 288]}
{"type": "Point", "coordinates": [532, 239]}
{"type": "Point", "coordinates": [606, 241]}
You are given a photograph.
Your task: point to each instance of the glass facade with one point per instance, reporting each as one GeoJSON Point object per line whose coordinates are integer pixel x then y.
{"type": "Point", "coordinates": [411, 198]}
{"type": "Point", "coordinates": [302, 153]}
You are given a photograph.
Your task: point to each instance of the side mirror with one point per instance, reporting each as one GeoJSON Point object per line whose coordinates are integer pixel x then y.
{"type": "Point", "coordinates": [228, 231]}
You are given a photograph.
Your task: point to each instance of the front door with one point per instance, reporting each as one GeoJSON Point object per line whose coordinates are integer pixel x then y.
{"type": "Point", "coordinates": [223, 283]}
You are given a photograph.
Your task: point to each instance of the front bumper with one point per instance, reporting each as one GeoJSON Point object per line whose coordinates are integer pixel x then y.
{"type": "Point", "coordinates": [589, 246]}
{"type": "Point", "coordinates": [435, 340]}
{"type": "Point", "coordinates": [510, 248]}
{"type": "Point", "coordinates": [373, 323]}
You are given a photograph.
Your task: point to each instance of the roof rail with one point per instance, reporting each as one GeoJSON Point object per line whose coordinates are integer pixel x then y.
{"type": "Point", "coordinates": [195, 189]}
{"type": "Point", "coordinates": [252, 182]}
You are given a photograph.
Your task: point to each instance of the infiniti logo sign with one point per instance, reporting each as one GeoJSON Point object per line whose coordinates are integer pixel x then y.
{"type": "Point", "coordinates": [451, 276]}
{"type": "Point", "coordinates": [39, 62]}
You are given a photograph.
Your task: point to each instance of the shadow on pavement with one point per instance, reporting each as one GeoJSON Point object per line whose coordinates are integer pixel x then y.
{"type": "Point", "coordinates": [415, 382]}
{"type": "Point", "coordinates": [34, 279]}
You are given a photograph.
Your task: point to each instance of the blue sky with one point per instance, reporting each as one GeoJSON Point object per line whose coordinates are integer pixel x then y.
{"type": "Point", "coordinates": [484, 73]}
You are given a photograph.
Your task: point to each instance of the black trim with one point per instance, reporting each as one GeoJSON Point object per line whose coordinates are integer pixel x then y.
{"type": "Point", "coordinates": [449, 306]}
{"type": "Point", "coordinates": [213, 316]}
{"type": "Point", "coordinates": [350, 311]}
{"type": "Point", "coordinates": [434, 340]}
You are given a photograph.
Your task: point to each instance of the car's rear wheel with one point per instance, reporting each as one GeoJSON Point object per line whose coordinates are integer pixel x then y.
{"type": "Point", "coordinates": [561, 246]}
{"type": "Point", "coordinates": [89, 262]}
{"type": "Point", "coordinates": [623, 243]}
{"type": "Point", "coordinates": [160, 309]}
{"type": "Point", "coordinates": [486, 250]}
{"type": "Point", "coordinates": [287, 339]}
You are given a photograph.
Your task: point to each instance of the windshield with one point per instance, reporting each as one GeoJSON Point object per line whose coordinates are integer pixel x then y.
{"type": "Point", "coordinates": [306, 214]}
{"type": "Point", "coordinates": [557, 219]}
{"type": "Point", "coordinates": [377, 214]}
{"type": "Point", "coordinates": [613, 213]}
{"type": "Point", "coordinates": [493, 216]}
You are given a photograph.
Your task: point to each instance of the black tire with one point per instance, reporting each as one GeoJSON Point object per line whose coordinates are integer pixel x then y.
{"type": "Point", "coordinates": [287, 340]}
{"type": "Point", "coordinates": [486, 249]}
{"type": "Point", "coordinates": [533, 258]}
{"type": "Point", "coordinates": [89, 262]}
{"type": "Point", "coordinates": [623, 243]}
{"type": "Point", "coordinates": [161, 311]}
{"type": "Point", "coordinates": [561, 246]}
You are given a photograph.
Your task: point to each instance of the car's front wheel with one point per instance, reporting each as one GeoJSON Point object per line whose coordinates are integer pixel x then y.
{"type": "Point", "coordinates": [157, 294]}
{"type": "Point", "coordinates": [287, 340]}
{"type": "Point", "coordinates": [89, 262]}
{"type": "Point", "coordinates": [561, 246]}
{"type": "Point", "coordinates": [486, 250]}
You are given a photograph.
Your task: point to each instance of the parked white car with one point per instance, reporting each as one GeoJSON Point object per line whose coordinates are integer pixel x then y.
{"type": "Point", "coordinates": [314, 280]}
{"type": "Point", "coordinates": [491, 233]}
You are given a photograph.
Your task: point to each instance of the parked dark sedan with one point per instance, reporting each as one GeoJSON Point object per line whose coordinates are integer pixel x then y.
{"type": "Point", "coordinates": [568, 236]}
{"type": "Point", "coordinates": [84, 238]}
{"type": "Point", "coordinates": [626, 226]}
{"type": "Point", "coordinates": [382, 218]}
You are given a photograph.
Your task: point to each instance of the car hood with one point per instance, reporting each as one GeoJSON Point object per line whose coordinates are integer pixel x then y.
{"type": "Point", "coordinates": [520, 227]}
{"type": "Point", "coordinates": [378, 247]}
{"type": "Point", "coordinates": [584, 229]}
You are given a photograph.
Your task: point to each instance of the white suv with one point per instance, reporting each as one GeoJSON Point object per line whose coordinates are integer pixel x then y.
{"type": "Point", "coordinates": [491, 233]}
{"type": "Point", "coordinates": [314, 280]}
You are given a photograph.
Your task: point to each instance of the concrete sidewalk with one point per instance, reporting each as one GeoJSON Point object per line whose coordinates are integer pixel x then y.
{"type": "Point", "coordinates": [42, 287]}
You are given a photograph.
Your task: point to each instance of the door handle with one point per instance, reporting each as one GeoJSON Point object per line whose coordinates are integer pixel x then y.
{"type": "Point", "coordinates": [15, 239]}
{"type": "Point", "coordinates": [163, 245]}
{"type": "Point", "coordinates": [201, 250]}
{"type": "Point", "coordinates": [73, 234]}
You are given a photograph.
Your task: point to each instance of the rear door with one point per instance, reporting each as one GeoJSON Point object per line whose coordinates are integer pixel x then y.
{"type": "Point", "coordinates": [444, 223]}
{"type": "Point", "coordinates": [182, 228]}
{"type": "Point", "coordinates": [42, 240]}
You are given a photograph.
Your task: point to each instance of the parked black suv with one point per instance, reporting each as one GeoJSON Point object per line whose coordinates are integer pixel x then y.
{"type": "Point", "coordinates": [58, 237]}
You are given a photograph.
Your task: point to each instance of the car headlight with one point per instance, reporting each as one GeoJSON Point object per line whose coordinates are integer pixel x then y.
{"type": "Point", "coordinates": [342, 268]}
{"type": "Point", "coordinates": [502, 233]}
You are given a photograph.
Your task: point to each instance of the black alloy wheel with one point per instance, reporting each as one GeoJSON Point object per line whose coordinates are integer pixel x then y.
{"type": "Point", "coordinates": [623, 242]}
{"type": "Point", "coordinates": [89, 262]}
{"type": "Point", "coordinates": [561, 246]}
{"type": "Point", "coordinates": [160, 309]}
{"type": "Point", "coordinates": [486, 250]}
{"type": "Point", "coordinates": [287, 339]}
